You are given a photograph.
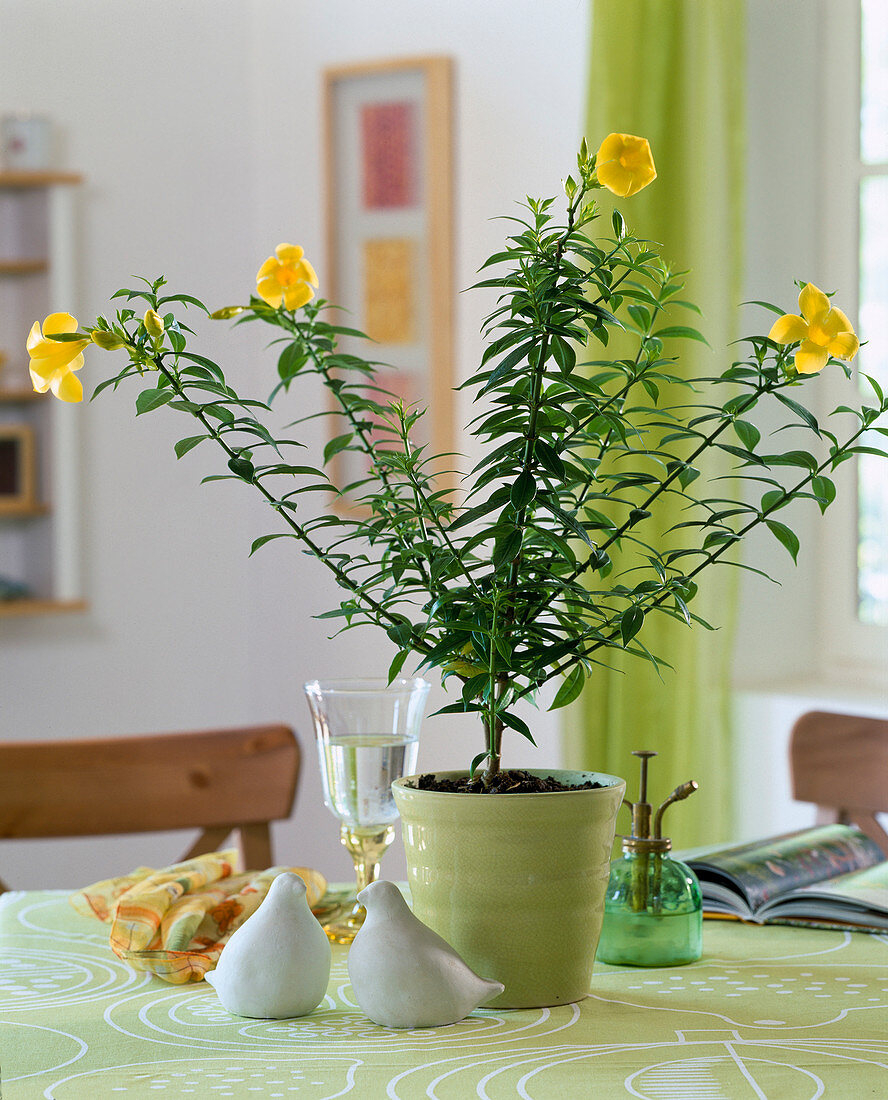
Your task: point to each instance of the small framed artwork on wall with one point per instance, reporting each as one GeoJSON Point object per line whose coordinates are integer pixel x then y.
{"type": "Point", "coordinates": [389, 231]}
{"type": "Point", "coordinates": [17, 480]}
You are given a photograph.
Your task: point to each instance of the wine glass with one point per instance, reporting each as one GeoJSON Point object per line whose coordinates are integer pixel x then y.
{"type": "Point", "coordinates": [367, 735]}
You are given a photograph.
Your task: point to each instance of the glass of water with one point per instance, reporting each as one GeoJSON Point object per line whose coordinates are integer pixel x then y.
{"type": "Point", "coordinates": [367, 735]}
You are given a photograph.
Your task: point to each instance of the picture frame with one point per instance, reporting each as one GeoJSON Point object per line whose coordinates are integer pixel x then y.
{"type": "Point", "coordinates": [388, 162]}
{"type": "Point", "coordinates": [17, 470]}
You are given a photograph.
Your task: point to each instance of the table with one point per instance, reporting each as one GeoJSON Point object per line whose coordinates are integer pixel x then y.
{"type": "Point", "coordinates": [775, 1012]}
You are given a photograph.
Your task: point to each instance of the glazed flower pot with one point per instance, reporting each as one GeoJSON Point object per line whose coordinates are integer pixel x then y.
{"type": "Point", "coordinates": [515, 883]}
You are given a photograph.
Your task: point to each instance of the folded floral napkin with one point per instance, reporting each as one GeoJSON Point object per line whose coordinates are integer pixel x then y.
{"type": "Point", "coordinates": [174, 922]}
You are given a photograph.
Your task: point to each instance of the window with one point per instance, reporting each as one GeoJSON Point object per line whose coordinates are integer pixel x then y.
{"type": "Point", "coordinates": [853, 583]}
{"type": "Point", "coordinates": [872, 177]}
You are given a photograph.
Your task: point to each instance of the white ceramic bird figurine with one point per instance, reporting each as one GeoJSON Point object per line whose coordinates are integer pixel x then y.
{"type": "Point", "coordinates": [403, 974]}
{"type": "Point", "coordinates": [277, 964]}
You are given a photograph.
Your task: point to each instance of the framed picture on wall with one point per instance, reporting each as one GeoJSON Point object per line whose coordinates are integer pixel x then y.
{"type": "Point", "coordinates": [17, 481]}
{"type": "Point", "coordinates": [389, 233]}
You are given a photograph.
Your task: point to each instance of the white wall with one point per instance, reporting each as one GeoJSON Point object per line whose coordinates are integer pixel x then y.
{"type": "Point", "coordinates": [197, 126]}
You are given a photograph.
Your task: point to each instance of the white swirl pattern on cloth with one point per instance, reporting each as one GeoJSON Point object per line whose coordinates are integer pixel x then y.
{"type": "Point", "coordinates": [767, 1012]}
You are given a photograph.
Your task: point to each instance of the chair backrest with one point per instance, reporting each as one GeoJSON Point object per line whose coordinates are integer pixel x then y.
{"type": "Point", "coordinates": [221, 781]}
{"type": "Point", "coordinates": [840, 762]}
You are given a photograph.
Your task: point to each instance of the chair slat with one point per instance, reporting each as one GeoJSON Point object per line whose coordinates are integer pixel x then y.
{"type": "Point", "coordinates": [840, 762]}
{"type": "Point", "coordinates": [216, 780]}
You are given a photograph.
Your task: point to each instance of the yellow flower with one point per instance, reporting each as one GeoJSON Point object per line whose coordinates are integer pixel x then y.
{"type": "Point", "coordinates": [624, 164]}
{"type": "Point", "coordinates": [52, 361]}
{"type": "Point", "coordinates": [153, 323]}
{"type": "Point", "coordinates": [286, 277]}
{"type": "Point", "coordinates": [822, 330]}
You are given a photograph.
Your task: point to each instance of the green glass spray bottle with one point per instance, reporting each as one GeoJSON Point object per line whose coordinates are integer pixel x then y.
{"type": "Point", "coordinates": [653, 914]}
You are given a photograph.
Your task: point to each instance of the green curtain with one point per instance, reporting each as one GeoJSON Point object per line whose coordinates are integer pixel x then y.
{"type": "Point", "coordinates": [673, 71]}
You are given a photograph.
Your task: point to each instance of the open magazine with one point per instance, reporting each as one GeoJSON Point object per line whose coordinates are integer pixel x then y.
{"type": "Point", "coordinates": [829, 875]}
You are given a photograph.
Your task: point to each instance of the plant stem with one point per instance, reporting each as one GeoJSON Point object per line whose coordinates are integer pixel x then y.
{"type": "Point", "coordinates": [367, 444]}
{"type": "Point", "coordinates": [670, 478]}
{"type": "Point", "coordinates": [713, 555]}
{"type": "Point", "coordinates": [422, 503]}
{"type": "Point", "coordinates": [341, 576]}
{"type": "Point", "coordinates": [528, 457]}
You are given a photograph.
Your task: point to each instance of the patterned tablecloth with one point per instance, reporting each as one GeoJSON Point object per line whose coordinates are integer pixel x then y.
{"type": "Point", "coordinates": [783, 1013]}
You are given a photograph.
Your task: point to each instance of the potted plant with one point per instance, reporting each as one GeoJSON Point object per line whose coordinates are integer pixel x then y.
{"type": "Point", "coordinates": [541, 558]}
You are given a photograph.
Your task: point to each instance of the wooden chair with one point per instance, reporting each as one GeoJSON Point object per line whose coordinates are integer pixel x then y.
{"type": "Point", "coordinates": [220, 781]}
{"type": "Point", "coordinates": [840, 762]}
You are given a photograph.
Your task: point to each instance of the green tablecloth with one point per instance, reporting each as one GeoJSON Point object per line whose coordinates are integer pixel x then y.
{"type": "Point", "coordinates": [783, 1013]}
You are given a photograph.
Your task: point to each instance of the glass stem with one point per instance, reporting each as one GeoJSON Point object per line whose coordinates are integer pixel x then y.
{"type": "Point", "coordinates": [366, 847]}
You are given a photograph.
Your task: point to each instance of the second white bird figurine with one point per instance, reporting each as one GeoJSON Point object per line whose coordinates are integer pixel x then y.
{"type": "Point", "coordinates": [405, 975]}
{"type": "Point", "coordinates": [277, 964]}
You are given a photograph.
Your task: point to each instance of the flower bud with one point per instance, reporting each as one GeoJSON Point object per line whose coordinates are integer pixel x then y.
{"type": "Point", "coordinates": [153, 323]}
{"type": "Point", "coordinates": [108, 341]}
{"type": "Point", "coordinates": [225, 312]}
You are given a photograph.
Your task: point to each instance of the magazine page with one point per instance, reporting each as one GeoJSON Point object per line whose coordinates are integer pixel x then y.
{"type": "Point", "coordinates": [860, 897]}
{"type": "Point", "coordinates": [760, 871]}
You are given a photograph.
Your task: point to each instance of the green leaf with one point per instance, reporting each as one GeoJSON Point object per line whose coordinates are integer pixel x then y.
{"type": "Point", "coordinates": [257, 543]}
{"type": "Point", "coordinates": [507, 547]}
{"type": "Point", "coordinates": [220, 413]}
{"type": "Point", "coordinates": [569, 520]}
{"type": "Point", "coordinates": [799, 410]}
{"type": "Point", "coordinates": [747, 433]}
{"type": "Point", "coordinates": [772, 499]}
{"type": "Point", "coordinates": [503, 648]}
{"type": "Point", "coordinates": [473, 767]}
{"type": "Point", "coordinates": [877, 389]}
{"type": "Point", "coordinates": [152, 399]}
{"type": "Point", "coordinates": [476, 687]}
{"type": "Point", "coordinates": [516, 723]}
{"type": "Point", "coordinates": [400, 632]}
{"type": "Point", "coordinates": [184, 298]}
{"type": "Point", "coordinates": [548, 459]}
{"type": "Point", "coordinates": [765, 305]}
{"type": "Point", "coordinates": [339, 443]}
{"type": "Point", "coordinates": [397, 664]}
{"type": "Point", "coordinates": [640, 316]}
{"type": "Point", "coordinates": [185, 445]}
{"type": "Point", "coordinates": [66, 337]}
{"type": "Point", "coordinates": [292, 360]}
{"type": "Point", "coordinates": [564, 354]}
{"type": "Point", "coordinates": [680, 332]}
{"type": "Point", "coordinates": [241, 467]}
{"type": "Point", "coordinates": [505, 365]}
{"type": "Point", "coordinates": [630, 623]}
{"type": "Point", "coordinates": [685, 304]}
{"type": "Point", "coordinates": [523, 490]}
{"type": "Point", "coordinates": [824, 490]}
{"type": "Point", "coordinates": [682, 607]}
{"type": "Point", "coordinates": [570, 688]}
{"type": "Point", "coordinates": [785, 536]}
{"type": "Point", "coordinates": [792, 458]}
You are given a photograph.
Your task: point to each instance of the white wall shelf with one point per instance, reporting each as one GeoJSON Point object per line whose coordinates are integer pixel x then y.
{"type": "Point", "coordinates": [39, 537]}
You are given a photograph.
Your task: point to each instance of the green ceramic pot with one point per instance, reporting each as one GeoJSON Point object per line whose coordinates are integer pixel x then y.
{"type": "Point", "coordinates": [514, 882]}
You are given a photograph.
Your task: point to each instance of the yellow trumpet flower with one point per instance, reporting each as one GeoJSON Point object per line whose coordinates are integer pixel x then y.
{"type": "Point", "coordinates": [822, 330]}
{"type": "Point", "coordinates": [153, 323]}
{"type": "Point", "coordinates": [52, 361]}
{"type": "Point", "coordinates": [624, 164]}
{"type": "Point", "coordinates": [286, 277]}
